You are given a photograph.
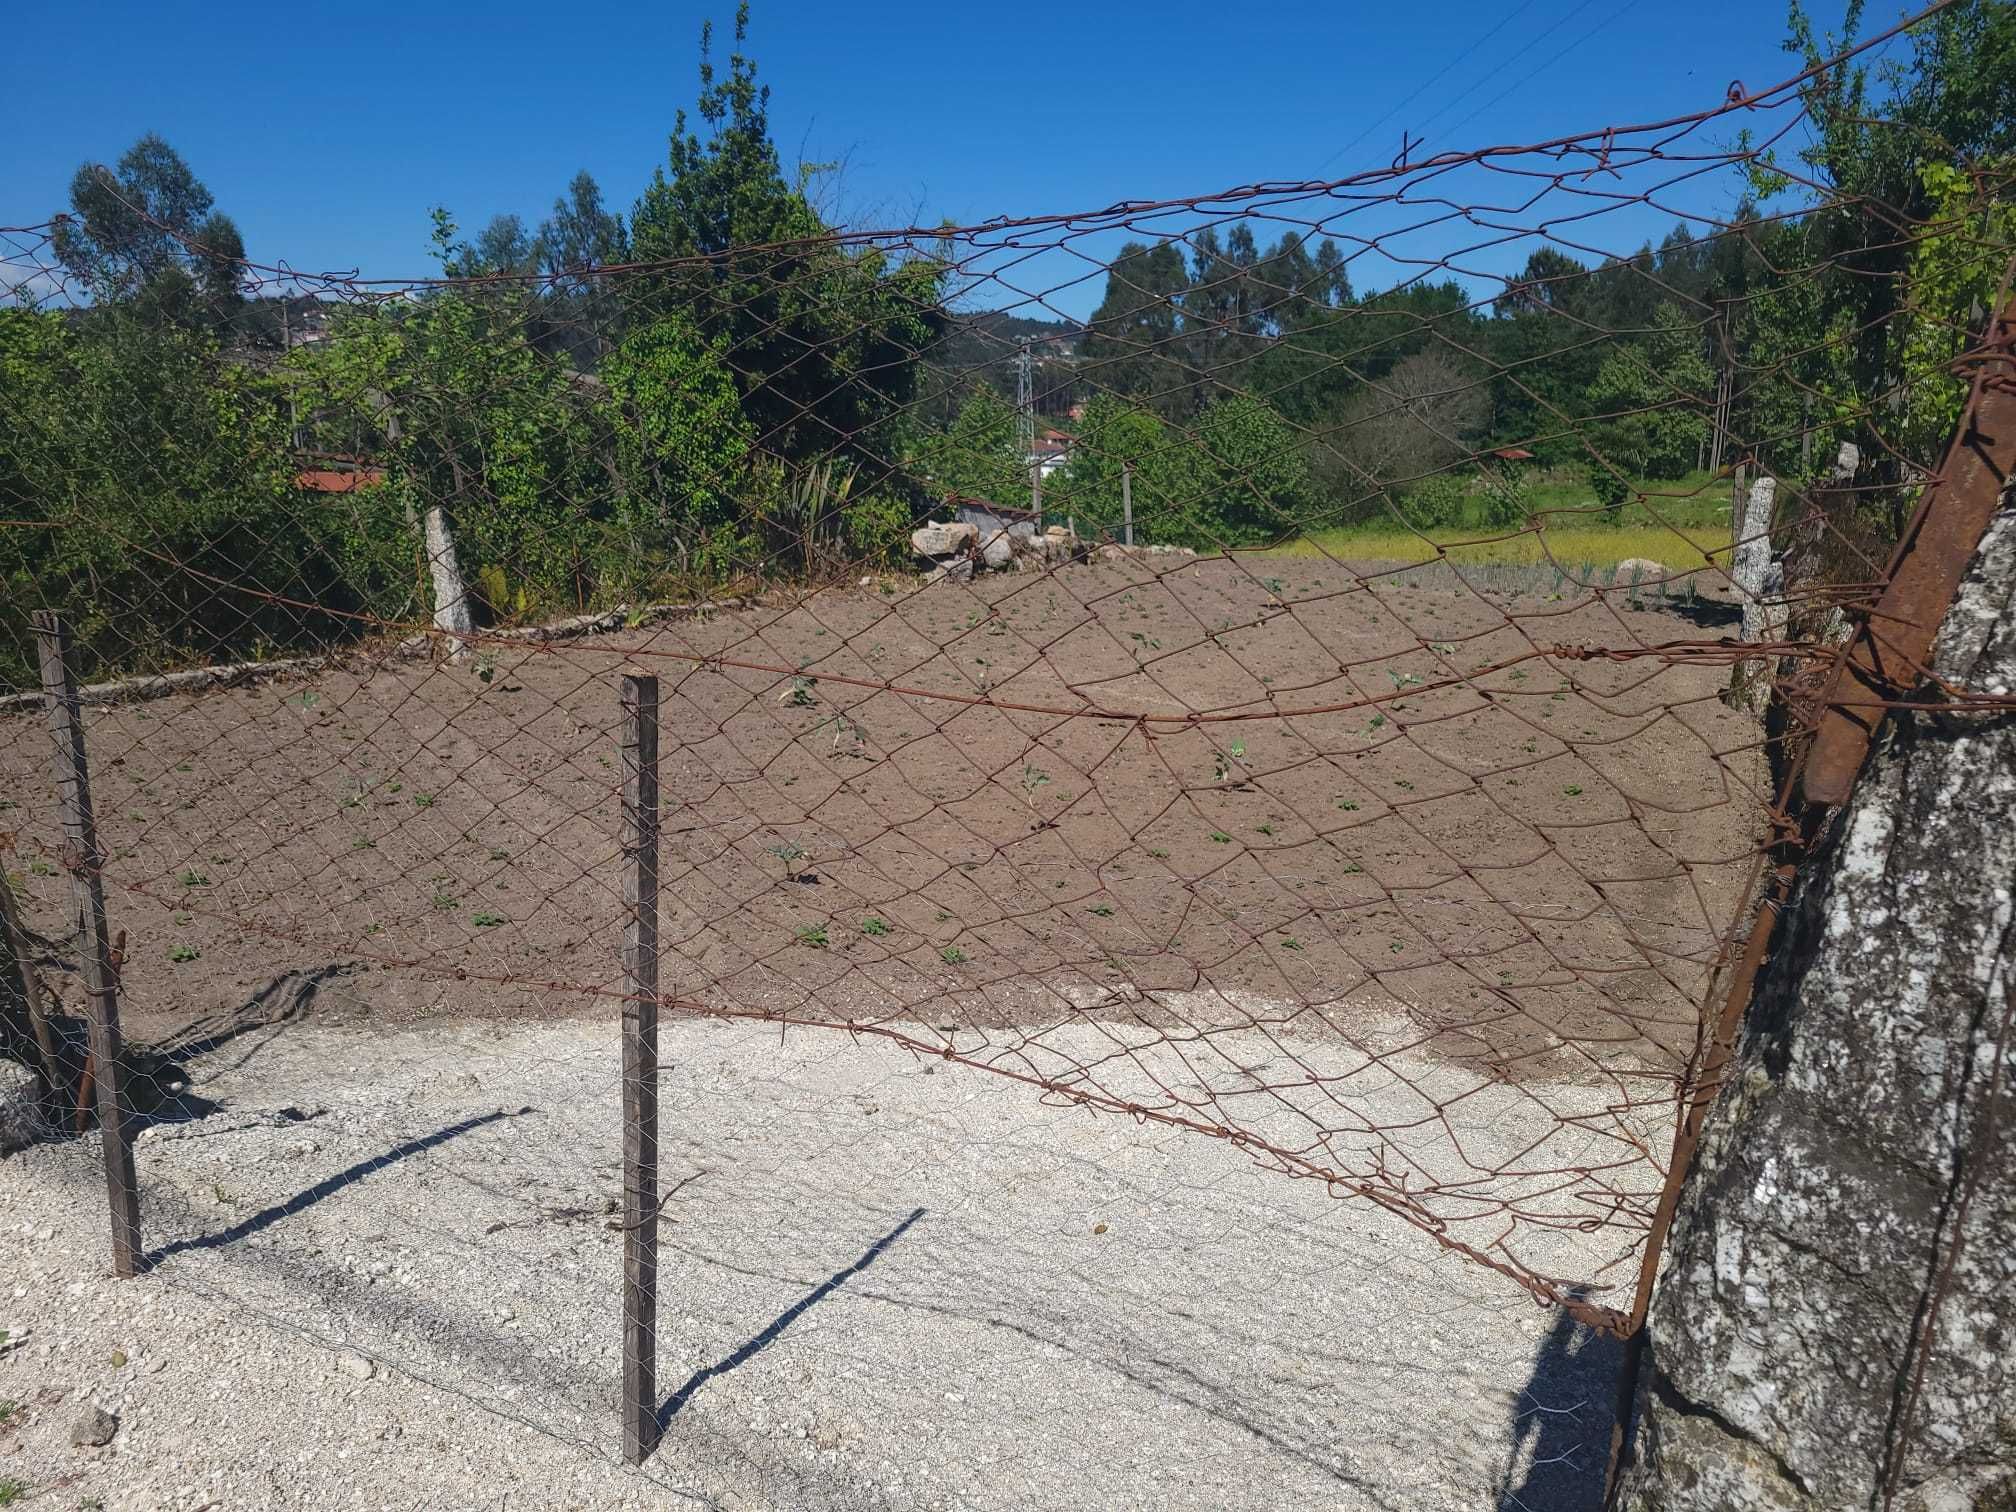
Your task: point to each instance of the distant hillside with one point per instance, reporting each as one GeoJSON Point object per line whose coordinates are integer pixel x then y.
{"type": "Point", "coordinates": [982, 344]}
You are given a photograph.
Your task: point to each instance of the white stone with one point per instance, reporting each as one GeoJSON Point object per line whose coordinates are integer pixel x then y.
{"type": "Point", "coordinates": [936, 540]}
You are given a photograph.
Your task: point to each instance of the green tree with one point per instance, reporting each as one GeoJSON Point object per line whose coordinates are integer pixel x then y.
{"type": "Point", "coordinates": [1135, 341]}
{"type": "Point", "coordinates": [147, 228]}
{"type": "Point", "coordinates": [1652, 399]}
{"type": "Point", "coordinates": [466, 413]}
{"type": "Point", "coordinates": [582, 234]}
{"type": "Point", "coordinates": [1881, 135]}
{"type": "Point", "coordinates": [1256, 478]}
{"type": "Point", "coordinates": [823, 340]}
{"type": "Point", "coordinates": [683, 447]}
{"type": "Point", "coordinates": [1116, 436]}
{"type": "Point", "coordinates": [979, 455]}
{"type": "Point", "coordinates": [156, 472]}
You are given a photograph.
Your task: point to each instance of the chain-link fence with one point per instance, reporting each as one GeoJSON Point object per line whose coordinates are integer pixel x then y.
{"type": "Point", "coordinates": [1311, 713]}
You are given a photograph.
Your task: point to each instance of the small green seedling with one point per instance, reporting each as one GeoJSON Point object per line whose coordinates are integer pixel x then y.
{"type": "Point", "coordinates": [1034, 780]}
{"type": "Point", "coordinates": [813, 935]}
{"type": "Point", "coordinates": [182, 953]}
{"type": "Point", "coordinates": [952, 955]}
{"type": "Point", "coordinates": [488, 920]}
{"type": "Point", "coordinates": [873, 926]}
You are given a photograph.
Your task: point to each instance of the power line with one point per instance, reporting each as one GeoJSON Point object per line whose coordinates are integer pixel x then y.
{"type": "Point", "coordinates": [1532, 42]}
{"type": "Point", "coordinates": [1629, 5]}
{"type": "Point", "coordinates": [1423, 88]}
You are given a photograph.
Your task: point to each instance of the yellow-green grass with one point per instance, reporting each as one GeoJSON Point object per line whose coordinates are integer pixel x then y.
{"type": "Point", "coordinates": [1570, 545]}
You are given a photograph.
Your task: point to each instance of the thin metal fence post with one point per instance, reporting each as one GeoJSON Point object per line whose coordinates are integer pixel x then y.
{"type": "Point", "coordinates": [101, 966]}
{"type": "Point", "coordinates": [640, 1067]}
{"type": "Point", "coordinates": [1127, 501]}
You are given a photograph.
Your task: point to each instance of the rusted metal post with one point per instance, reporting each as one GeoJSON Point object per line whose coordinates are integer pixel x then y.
{"type": "Point", "coordinates": [1886, 656]}
{"type": "Point", "coordinates": [640, 1067]}
{"type": "Point", "coordinates": [101, 968]}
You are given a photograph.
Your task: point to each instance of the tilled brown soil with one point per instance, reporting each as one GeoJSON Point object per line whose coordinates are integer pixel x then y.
{"type": "Point", "coordinates": [1527, 870]}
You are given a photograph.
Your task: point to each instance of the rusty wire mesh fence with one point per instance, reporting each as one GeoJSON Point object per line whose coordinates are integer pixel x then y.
{"type": "Point", "coordinates": [1316, 706]}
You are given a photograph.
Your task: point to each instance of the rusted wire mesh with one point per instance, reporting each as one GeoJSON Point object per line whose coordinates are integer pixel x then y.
{"type": "Point", "coordinates": [1287, 665]}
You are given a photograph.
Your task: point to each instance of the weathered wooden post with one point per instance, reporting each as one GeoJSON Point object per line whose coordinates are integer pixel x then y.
{"type": "Point", "coordinates": [640, 1066]}
{"type": "Point", "coordinates": [101, 968]}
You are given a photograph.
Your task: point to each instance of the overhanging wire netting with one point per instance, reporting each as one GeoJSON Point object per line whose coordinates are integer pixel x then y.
{"type": "Point", "coordinates": [1316, 702]}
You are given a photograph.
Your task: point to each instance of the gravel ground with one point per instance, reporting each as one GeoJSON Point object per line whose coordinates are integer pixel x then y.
{"type": "Point", "coordinates": [386, 1277]}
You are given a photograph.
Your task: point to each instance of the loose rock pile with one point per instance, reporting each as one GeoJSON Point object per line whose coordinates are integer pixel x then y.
{"type": "Point", "coordinates": [956, 550]}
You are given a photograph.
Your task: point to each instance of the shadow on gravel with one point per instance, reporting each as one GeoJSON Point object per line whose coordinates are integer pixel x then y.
{"type": "Point", "coordinates": [330, 1186]}
{"type": "Point", "coordinates": [288, 999]}
{"type": "Point", "coordinates": [1565, 1411]}
{"type": "Point", "coordinates": [782, 1321]}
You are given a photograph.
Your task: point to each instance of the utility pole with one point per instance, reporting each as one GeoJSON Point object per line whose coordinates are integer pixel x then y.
{"type": "Point", "coordinates": [1725, 386]}
{"type": "Point", "coordinates": [1025, 398]}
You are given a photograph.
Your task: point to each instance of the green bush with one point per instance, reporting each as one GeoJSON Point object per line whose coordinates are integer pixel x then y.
{"type": "Point", "coordinates": [1611, 491]}
{"type": "Point", "coordinates": [1507, 498]}
{"type": "Point", "coordinates": [878, 530]}
{"type": "Point", "coordinates": [1436, 501]}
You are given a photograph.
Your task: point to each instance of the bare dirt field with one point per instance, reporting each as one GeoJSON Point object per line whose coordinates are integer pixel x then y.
{"type": "Point", "coordinates": [1444, 883]}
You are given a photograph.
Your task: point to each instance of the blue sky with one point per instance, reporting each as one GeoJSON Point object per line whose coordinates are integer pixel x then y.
{"type": "Point", "coordinates": [328, 134]}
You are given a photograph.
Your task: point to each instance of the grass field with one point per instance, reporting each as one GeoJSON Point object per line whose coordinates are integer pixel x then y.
{"type": "Point", "coordinates": [1684, 521]}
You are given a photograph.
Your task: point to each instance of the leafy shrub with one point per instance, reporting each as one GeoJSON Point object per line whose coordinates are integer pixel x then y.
{"type": "Point", "coordinates": [878, 530]}
{"type": "Point", "coordinates": [1435, 501]}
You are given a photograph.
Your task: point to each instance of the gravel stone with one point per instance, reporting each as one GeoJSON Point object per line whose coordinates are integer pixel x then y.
{"type": "Point", "coordinates": [920, 1293]}
{"type": "Point", "coordinates": [92, 1428]}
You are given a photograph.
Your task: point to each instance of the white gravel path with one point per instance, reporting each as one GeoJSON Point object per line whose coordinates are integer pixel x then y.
{"type": "Point", "coordinates": [882, 1287]}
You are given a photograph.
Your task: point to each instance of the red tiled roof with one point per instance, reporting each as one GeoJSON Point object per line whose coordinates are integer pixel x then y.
{"type": "Point", "coordinates": [321, 481]}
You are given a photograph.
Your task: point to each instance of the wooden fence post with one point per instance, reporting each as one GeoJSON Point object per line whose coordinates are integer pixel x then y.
{"type": "Point", "coordinates": [101, 969]}
{"type": "Point", "coordinates": [640, 1067]}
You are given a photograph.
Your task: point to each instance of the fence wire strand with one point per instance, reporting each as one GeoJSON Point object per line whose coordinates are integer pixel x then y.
{"type": "Point", "coordinates": [1322, 701]}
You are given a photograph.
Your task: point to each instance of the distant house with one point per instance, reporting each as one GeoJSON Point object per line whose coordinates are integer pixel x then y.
{"type": "Point", "coordinates": [1052, 449]}
{"type": "Point", "coordinates": [303, 322]}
